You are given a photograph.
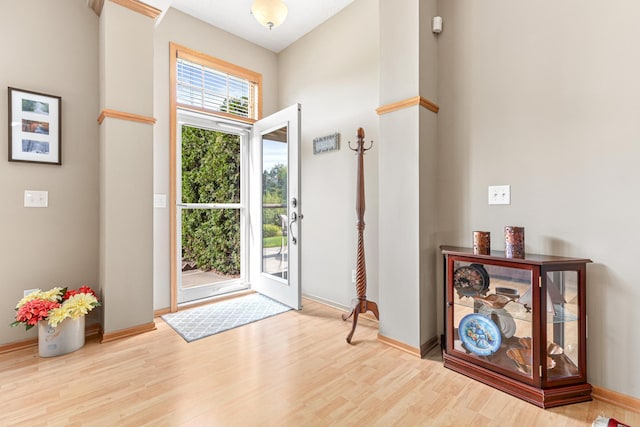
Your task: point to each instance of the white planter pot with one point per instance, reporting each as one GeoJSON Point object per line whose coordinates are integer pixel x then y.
{"type": "Point", "coordinates": [68, 336]}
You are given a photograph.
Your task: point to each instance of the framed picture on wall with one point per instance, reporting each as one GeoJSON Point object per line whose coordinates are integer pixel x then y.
{"type": "Point", "coordinates": [35, 127]}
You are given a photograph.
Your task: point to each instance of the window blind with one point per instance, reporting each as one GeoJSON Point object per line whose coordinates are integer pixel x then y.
{"type": "Point", "coordinates": [213, 90]}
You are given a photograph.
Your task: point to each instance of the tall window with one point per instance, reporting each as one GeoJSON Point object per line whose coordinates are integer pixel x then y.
{"type": "Point", "coordinates": [210, 85]}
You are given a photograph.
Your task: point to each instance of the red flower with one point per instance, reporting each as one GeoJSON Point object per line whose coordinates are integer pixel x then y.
{"type": "Point", "coordinates": [35, 310]}
{"type": "Point", "coordinates": [84, 289]}
{"type": "Point", "coordinates": [69, 294]}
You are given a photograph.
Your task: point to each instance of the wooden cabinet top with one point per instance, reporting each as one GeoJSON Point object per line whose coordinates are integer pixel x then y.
{"type": "Point", "coordinates": [500, 256]}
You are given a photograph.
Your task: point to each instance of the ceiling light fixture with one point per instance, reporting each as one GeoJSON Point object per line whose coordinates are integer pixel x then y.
{"type": "Point", "coordinates": [269, 13]}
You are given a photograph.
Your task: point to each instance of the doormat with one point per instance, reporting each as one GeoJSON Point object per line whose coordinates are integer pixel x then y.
{"type": "Point", "coordinates": [207, 320]}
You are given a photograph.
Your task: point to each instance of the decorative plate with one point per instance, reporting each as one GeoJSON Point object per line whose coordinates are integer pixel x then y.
{"type": "Point", "coordinates": [501, 318]}
{"type": "Point", "coordinates": [471, 280]}
{"type": "Point", "coordinates": [479, 334]}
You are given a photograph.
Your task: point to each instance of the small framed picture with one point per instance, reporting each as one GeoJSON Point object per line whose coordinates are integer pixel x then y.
{"type": "Point", "coordinates": [35, 129]}
{"type": "Point", "coordinates": [326, 143]}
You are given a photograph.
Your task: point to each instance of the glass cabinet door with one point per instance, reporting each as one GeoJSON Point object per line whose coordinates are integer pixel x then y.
{"type": "Point", "coordinates": [562, 332]}
{"type": "Point", "coordinates": [491, 308]}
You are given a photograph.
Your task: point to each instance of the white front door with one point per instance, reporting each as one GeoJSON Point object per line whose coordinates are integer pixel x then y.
{"type": "Point", "coordinates": [275, 207]}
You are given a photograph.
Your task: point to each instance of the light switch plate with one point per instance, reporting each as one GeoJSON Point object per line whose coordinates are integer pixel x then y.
{"type": "Point", "coordinates": [159, 200]}
{"type": "Point", "coordinates": [36, 199]}
{"type": "Point", "coordinates": [500, 195]}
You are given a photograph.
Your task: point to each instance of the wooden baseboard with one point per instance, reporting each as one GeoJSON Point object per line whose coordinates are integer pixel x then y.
{"type": "Point", "coordinates": [129, 332]}
{"type": "Point", "coordinates": [89, 331]}
{"type": "Point", "coordinates": [424, 348]}
{"type": "Point", "coordinates": [624, 401]}
{"type": "Point", "coordinates": [18, 345]}
{"type": "Point", "coordinates": [428, 346]}
{"type": "Point", "coordinates": [161, 312]}
{"type": "Point", "coordinates": [368, 315]}
{"type": "Point", "coordinates": [399, 345]}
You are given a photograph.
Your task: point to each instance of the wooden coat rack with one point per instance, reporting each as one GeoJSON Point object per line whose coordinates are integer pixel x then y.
{"type": "Point", "coordinates": [360, 304]}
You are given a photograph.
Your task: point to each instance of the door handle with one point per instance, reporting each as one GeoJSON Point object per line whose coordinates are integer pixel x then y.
{"type": "Point", "coordinates": [294, 218]}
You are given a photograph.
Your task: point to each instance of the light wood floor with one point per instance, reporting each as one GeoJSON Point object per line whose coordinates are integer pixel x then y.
{"type": "Point", "coordinates": [294, 369]}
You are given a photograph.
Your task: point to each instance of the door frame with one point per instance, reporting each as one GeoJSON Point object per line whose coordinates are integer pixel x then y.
{"type": "Point", "coordinates": [227, 125]}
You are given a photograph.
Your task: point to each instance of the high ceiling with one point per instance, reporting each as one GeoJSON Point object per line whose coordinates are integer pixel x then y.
{"type": "Point", "coordinates": [235, 17]}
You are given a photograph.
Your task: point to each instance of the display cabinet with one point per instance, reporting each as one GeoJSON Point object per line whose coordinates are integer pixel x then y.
{"type": "Point", "coordinates": [518, 324]}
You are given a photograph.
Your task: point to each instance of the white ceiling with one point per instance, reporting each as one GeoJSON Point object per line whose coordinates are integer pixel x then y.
{"type": "Point", "coordinates": [235, 17]}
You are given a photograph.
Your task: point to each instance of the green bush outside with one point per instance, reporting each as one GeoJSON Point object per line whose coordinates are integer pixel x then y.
{"type": "Point", "coordinates": [211, 174]}
{"type": "Point", "coordinates": [271, 230]}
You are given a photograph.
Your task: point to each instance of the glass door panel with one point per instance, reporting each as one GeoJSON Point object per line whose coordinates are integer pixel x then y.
{"type": "Point", "coordinates": [563, 315]}
{"type": "Point", "coordinates": [274, 203]}
{"type": "Point", "coordinates": [492, 316]}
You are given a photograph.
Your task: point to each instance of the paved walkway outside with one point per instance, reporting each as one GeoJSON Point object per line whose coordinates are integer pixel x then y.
{"type": "Point", "coordinates": [276, 264]}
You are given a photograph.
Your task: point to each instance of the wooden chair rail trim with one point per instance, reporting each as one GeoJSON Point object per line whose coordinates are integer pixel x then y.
{"type": "Point", "coordinates": [629, 403]}
{"type": "Point", "coordinates": [410, 102]}
{"type": "Point", "coordinates": [32, 342]}
{"type": "Point", "coordinates": [125, 116]}
{"type": "Point", "coordinates": [399, 345]}
{"type": "Point", "coordinates": [128, 332]}
{"type": "Point", "coordinates": [138, 6]}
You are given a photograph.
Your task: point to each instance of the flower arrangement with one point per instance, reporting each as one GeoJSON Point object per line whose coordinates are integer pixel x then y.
{"type": "Point", "coordinates": [54, 305]}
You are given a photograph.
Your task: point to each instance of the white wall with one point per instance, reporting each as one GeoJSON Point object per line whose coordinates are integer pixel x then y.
{"type": "Point", "coordinates": [50, 47]}
{"type": "Point", "coordinates": [545, 97]}
{"type": "Point", "coordinates": [333, 73]}
{"type": "Point", "coordinates": [192, 33]}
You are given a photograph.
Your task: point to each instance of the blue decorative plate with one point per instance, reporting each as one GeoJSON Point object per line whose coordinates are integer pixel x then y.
{"type": "Point", "coordinates": [479, 334]}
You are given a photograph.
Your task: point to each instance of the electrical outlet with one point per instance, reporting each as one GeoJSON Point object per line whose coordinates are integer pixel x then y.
{"type": "Point", "coordinates": [500, 195]}
{"type": "Point", "coordinates": [353, 276]}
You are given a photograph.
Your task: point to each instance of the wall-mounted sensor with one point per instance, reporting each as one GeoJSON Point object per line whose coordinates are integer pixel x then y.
{"type": "Point", "coordinates": [436, 24]}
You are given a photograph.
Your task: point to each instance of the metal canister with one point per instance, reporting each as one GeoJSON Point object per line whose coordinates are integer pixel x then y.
{"type": "Point", "coordinates": [481, 242]}
{"type": "Point", "coordinates": [514, 241]}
